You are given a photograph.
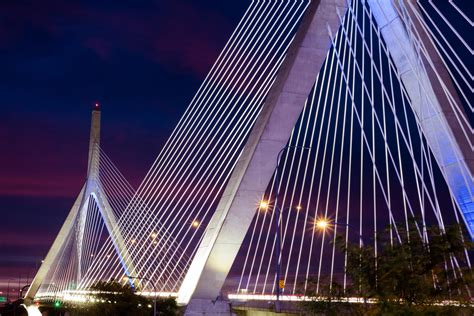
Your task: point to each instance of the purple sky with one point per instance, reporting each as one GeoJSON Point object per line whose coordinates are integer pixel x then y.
{"type": "Point", "coordinates": [143, 63]}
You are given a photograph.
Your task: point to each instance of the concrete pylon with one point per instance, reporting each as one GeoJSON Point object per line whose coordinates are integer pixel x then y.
{"type": "Point", "coordinates": [427, 86]}
{"type": "Point", "coordinates": [91, 189]}
{"type": "Point", "coordinates": [255, 167]}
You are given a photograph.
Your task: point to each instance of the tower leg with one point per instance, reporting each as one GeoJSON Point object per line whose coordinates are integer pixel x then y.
{"type": "Point", "coordinates": [55, 248]}
{"type": "Point", "coordinates": [427, 92]}
{"type": "Point", "coordinates": [255, 167]}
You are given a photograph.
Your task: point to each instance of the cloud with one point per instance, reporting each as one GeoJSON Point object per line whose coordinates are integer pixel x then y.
{"type": "Point", "coordinates": [180, 36]}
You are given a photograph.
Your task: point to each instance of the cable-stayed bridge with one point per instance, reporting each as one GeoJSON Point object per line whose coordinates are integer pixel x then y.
{"type": "Point", "coordinates": [358, 112]}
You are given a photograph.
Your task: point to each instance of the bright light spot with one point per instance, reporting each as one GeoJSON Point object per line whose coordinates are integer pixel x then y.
{"type": "Point", "coordinates": [125, 278]}
{"type": "Point", "coordinates": [154, 235]}
{"type": "Point", "coordinates": [298, 208]}
{"type": "Point", "coordinates": [97, 105]}
{"type": "Point", "coordinates": [133, 241]}
{"type": "Point", "coordinates": [263, 205]}
{"type": "Point", "coordinates": [322, 224]}
{"type": "Point", "coordinates": [195, 224]}
{"type": "Point", "coordinates": [92, 255]}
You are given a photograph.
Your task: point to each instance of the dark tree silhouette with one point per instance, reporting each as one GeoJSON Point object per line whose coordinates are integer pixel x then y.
{"type": "Point", "coordinates": [409, 275]}
{"type": "Point", "coordinates": [114, 298]}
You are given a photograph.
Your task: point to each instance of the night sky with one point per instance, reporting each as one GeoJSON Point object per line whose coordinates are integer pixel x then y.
{"type": "Point", "coordinates": [142, 61]}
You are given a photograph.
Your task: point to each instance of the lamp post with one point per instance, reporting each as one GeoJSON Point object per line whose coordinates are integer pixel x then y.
{"type": "Point", "coordinates": [24, 288]}
{"type": "Point", "coordinates": [324, 223]}
{"type": "Point", "coordinates": [277, 223]}
{"type": "Point", "coordinates": [128, 277]}
{"type": "Point", "coordinates": [8, 290]}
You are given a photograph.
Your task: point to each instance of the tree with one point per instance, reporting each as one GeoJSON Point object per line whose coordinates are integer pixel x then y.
{"type": "Point", "coordinates": [416, 272]}
{"type": "Point", "coordinates": [114, 298]}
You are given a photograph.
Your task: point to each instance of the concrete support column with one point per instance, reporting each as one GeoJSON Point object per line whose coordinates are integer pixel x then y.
{"type": "Point", "coordinates": [255, 167]}
{"type": "Point", "coordinates": [54, 250]}
{"type": "Point", "coordinates": [443, 132]}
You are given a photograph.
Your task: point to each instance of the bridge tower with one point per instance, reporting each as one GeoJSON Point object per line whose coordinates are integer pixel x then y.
{"type": "Point", "coordinates": [90, 190]}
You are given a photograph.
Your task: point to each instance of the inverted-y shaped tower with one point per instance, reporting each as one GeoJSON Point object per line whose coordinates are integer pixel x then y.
{"type": "Point", "coordinates": [90, 189]}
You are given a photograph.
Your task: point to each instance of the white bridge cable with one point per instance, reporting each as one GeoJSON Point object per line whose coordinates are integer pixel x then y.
{"type": "Point", "coordinates": [451, 27]}
{"type": "Point", "coordinates": [457, 108]}
{"type": "Point", "coordinates": [439, 33]}
{"type": "Point", "coordinates": [222, 185]}
{"type": "Point", "coordinates": [461, 12]}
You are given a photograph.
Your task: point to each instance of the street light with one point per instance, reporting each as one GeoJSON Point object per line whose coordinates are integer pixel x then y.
{"type": "Point", "coordinates": [8, 289]}
{"type": "Point", "coordinates": [324, 223]}
{"type": "Point", "coordinates": [128, 277]}
{"type": "Point", "coordinates": [265, 205]}
{"type": "Point", "coordinates": [277, 222]}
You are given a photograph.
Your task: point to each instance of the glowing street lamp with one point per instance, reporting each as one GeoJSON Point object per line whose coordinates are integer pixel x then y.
{"type": "Point", "coordinates": [323, 223]}
{"type": "Point", "coordinates": [277, 222]}
{"type": "Point", "coordinates": [195, 224]}
{"type": "Point", "coordinates": [265, 205]}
